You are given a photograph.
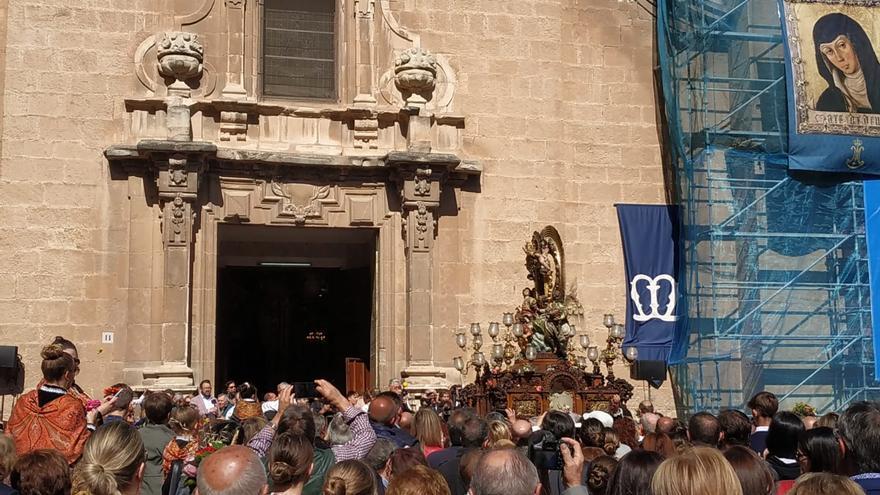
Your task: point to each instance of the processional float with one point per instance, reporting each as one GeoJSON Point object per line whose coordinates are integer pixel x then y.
{"type": "Point", "coordinates": [540, 361]}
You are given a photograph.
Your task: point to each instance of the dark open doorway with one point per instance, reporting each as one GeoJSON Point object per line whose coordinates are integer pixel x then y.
{"type": "Point", "coordinates": [293, 304]}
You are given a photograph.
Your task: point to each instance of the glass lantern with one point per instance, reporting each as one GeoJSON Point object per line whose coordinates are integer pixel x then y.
{"type": "Point", "coordinates": [585, 341]}
{"type": "Point", "coordinates": [475, 329]}
{"type": "Point", "coordinates": [507, 319]}
{"type": "Point", "coordinates": [531, 352]}
{"type": "Point", "coordinates": [479, 358]}
{"type": "Point", "coordinates": [497, 352]}
{"type": "Point", "coordinates": [618, 331]}
{"type": "Point", "coordinates": [517, 330]}
{"type": "Point", "coordinates": [461, 340]}
{"type": "Point", "coordinates": [493, 329]}
{"type": "Point", "coordinates": [593, 353]}
{"type": "Point", "coordinates": [478, 342]}
{"type": "Point", "coordinates": [631, 354]}
{"type": "Point", "coordinates": [608, 320]}
{"type": "Point", "coordinates": [458, 362]}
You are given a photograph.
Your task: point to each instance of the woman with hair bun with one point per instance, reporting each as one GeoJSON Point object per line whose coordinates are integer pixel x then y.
{"type": "Point", "coordinates": [350, 478]}
{"type": "Point", "coordinates": [49, 417]}
{"type": "Point", "coordinates": [290, 464]}
{"type": "Point", "coordinates": [599, 474]}
{"type": "Point", "coordinates": [70, 348]}
{"type": "Point", "coordinates": [112, 462]}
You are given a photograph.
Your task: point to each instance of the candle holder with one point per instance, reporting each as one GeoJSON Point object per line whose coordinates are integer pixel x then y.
{"type": "Point", "coordinates": [593, 356]}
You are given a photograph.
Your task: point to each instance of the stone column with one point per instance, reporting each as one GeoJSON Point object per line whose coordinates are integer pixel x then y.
{"type": "Point", "coordinates": [178, 185]}
{"type": "Point", "coordinates": [235, 35]}
{"type": "Point", "coordinates": [363, 53]}
{"type": "Point", "coordinates": [420, 197]}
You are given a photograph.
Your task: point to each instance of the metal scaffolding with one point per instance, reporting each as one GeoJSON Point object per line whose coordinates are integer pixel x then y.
{"type": "Point", "coordinates": [774, 264]}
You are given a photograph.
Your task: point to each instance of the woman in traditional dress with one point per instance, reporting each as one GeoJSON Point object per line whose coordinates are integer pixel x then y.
{"type": "Point", "coordinates": [74, 389]}
{"type": "Point", "coordinates": [50, 417]}
{"type": "Point", "coordinates": [846, 59]}
{"type": "Point", "coordinates": [247, 405]}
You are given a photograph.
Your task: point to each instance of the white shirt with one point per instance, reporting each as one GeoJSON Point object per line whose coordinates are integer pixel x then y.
{"type": "Point", "coordinates": [208, 402]}
{"type": "Point", "coordinates": [269, 405]}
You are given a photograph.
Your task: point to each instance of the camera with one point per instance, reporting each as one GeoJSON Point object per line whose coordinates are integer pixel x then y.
{"type": "Point", "coordinates": [544, 450]}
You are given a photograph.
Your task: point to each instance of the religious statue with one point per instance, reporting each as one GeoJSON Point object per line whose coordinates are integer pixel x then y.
{"type": "Point", "coordinates": [545, 308]}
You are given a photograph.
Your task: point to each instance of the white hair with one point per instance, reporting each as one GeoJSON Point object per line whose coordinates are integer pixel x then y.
{"type": "Point", "coordinates": [504, 472]}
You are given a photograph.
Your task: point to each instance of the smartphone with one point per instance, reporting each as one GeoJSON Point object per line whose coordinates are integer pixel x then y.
{"type": "Point", "coordinates": [305, 390]}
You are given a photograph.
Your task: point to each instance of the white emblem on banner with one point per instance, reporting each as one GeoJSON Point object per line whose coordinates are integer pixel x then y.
{"type": "Point", "coordinates": [653, 286]}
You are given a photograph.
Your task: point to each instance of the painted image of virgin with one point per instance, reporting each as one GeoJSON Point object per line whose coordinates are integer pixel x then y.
{"type": "Point", "coordinates": [847, 61]}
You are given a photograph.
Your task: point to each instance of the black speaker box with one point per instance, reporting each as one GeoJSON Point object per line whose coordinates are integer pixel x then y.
{"type": "Point", "coordinates": [654, 371]}
{"type": "Point", "coordinates": [11, 371]}
{"type": "Point", "coordinates": [8, 356]}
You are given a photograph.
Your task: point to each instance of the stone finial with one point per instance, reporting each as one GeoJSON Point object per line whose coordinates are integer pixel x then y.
{"type": "Point", "coordinates": [180, 56]}
{"type": "Point", "coordinates": [415, 71]}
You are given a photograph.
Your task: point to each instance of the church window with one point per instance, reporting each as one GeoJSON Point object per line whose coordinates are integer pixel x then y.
{"type": "Point", "coordinates": [299, 49]}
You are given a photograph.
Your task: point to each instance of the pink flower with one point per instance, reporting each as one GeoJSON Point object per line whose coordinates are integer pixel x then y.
{"type": "Point", "coordinates": [92, 405]}
{"type": "Point", "coordinates": [539, 388]}
{"type": "Point", "coordinates": [190, 470]}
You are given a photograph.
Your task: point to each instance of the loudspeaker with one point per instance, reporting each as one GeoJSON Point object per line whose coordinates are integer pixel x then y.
{"type": "Point", "coordinates": [8, 356]}
{"type": "Point", "coordinates": [654, 371]}
{"type": "Point", "coordinates": [11, 371]}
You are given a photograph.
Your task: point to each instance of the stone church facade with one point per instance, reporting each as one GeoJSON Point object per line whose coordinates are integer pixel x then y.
{"type": "Point", "coordinates": [133, 131]}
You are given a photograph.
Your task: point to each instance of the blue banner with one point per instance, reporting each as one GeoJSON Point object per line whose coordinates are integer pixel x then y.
{"type": "Point", "coordinates": [650, 238]}
{"type": "Point", "coordinates": [833, 80]}
{"type": "Point", "coordinates": [872, 234]}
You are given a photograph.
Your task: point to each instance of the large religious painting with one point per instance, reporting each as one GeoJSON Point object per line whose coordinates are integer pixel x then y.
{"type": "Point", "coordinates": [834, 84]}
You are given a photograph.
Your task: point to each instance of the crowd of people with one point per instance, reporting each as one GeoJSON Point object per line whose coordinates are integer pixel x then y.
{"type": "Point", "coordinates": [58, 441]}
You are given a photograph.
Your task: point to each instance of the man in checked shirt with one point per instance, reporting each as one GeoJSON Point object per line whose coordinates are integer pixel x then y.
{"type": "Point", "coordinates": [298, 419]}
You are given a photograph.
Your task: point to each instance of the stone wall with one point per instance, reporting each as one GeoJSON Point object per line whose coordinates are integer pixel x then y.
{"type": "Point", "coordinates": [61, 238]}
{"type": "Point", "coordinates": [558, 102]}
{"type": "Point", "coordinates": [560, 112]}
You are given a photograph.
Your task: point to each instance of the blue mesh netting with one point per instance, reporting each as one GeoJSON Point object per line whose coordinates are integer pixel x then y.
{"type": "Point", "coordinates": [775, 267]}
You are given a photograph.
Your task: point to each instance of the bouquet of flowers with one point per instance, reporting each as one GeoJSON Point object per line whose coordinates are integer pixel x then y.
{"type": "Point", "coordinates": [191, 466]}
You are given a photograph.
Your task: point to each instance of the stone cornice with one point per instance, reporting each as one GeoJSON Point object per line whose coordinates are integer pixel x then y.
{"type": "Point", "coordinates": [382, 112]}
{"type": "Point", "coordinates": [147, 153]}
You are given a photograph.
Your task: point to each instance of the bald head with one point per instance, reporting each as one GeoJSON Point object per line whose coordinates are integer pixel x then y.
{"type": "Point", "coordinates": [810, 422]}
{"type": "Point", "coordinates": [383, 410]}
{"type": "Point", "coordinates": [234, 470]}
{"type": "Point", "coordinates": [665, 425]}
{"type": "Point", "coordinates": [406, 421]}
{"type": "Point", "coordinates": [521, 429]}
{"type": "Point", "coordinates": [649, 422]}
{"type": "Point", "coordinates": [505, 472]}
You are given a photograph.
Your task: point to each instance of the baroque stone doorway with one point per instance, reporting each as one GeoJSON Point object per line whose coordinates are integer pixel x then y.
{"type": "Point", "coordinates": [293, 304]}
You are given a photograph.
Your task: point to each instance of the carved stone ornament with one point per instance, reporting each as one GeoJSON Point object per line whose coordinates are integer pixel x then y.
{"type": "Point", "coordinates": [415, 71]}
{"type": "Point", "coordinates": [177, 171]}
{"type": "Point", "coordinates": [180, 55]}
{"type": "Point", "coordinates": [423, 184]}
{"type": "Point", "coordinates": [419, 225]}
{"type": "Point", "coordinates": [176, 223]}
{"type": "Point", "coordinates": [233, 126]}
{"type": "Point", "coordinates": [423, 224]}
{"type": "Point", "coordinates": [178, 215]}
{"type": "Point", "coordinates": [234, 4]}
{"type": "Point", "coordinates": [364, 8]}
{"type": "Point", "coordinates": [311, 208]}
{"type": "Point", "coordinates": [366, 132]}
